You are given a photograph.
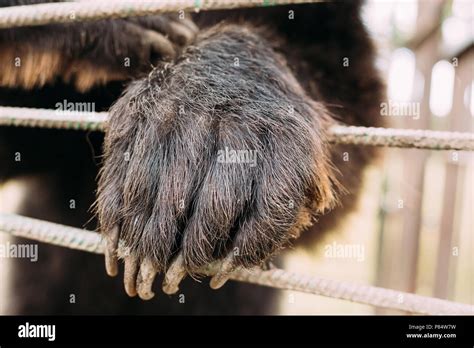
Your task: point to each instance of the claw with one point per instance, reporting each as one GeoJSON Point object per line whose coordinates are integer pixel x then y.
{"type": "Point", "coordinates": [175, 274]}
{"type": "Point", "coordinates": [223, 275]}
{"type": "Point", "coordinates": [189, 24]}
{"type": "Point", "coordinates": [130, 275]}
{"type": "Point", "coordinates": [111, 263]}
{"type": "Point", "coordinates": [182, 33]}
{"type": "Point", "coordinates": [145, 280]}
{"type": "Point", "coordinates": [160, 44]}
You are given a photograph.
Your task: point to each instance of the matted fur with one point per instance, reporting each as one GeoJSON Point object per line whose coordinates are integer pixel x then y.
{"type": "Point", "coordinates": [174, 194]}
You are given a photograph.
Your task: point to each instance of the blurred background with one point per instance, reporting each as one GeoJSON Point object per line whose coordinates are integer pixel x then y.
{"type": "Point", "coordinates": [413, 230]}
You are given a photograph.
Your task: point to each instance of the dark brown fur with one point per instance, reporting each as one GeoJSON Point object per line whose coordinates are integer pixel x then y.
{"type": "Point", "coordinates": [179, 196]}
{"type": "Point", "coordinates": [85, 54]}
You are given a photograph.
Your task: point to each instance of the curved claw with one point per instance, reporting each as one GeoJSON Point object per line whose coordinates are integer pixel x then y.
{"type": "Point", "coordinates": [111, 262]}
{"type": "Point", "coordinates": [182, 33]}
{"type": "Point", "coordinates": [223, 275]}
{"type": "Point", "coordinates": [160, 44]}
{"type": "Point", "coordinates": [175, 274]}
{"type": "Point", "coordinates": [130, 275]}
{"type": "Point", "coordinates": [145, 279]}
{"type": "Point", "coordinates": [189, 24]}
